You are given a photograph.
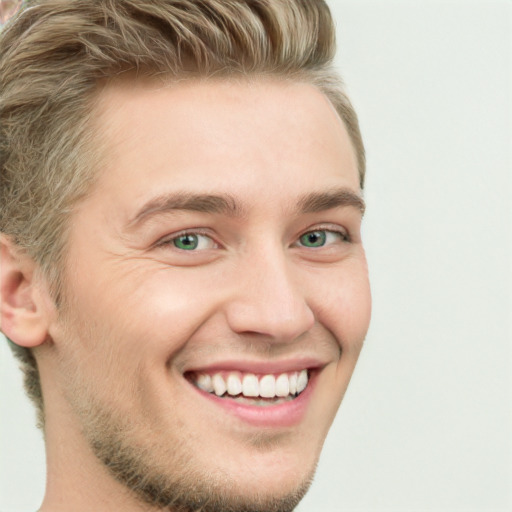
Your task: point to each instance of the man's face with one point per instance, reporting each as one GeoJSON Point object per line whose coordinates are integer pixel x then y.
{"type": "Point", "coordinates": [219, 247]}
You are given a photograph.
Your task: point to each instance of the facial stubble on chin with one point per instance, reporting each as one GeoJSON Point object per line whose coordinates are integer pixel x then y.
{"type": "Point", "coordinates": [164, 477]}
{"type": "Point", "coordinates": [182, 488]}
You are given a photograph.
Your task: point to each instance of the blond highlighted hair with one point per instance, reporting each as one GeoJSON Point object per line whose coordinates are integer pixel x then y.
{"type": "Point", "coordinates": [54, 54]}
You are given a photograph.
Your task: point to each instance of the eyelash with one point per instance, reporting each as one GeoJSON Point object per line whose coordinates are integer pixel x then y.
{"type": "Point", "coordinates": [328, 230]}
{"type": "Point", "coordinates": [169, 240]}
{"type": "Point", "coordinates": [344, 236]}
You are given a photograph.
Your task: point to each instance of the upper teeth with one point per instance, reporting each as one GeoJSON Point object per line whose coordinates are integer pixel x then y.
{"type": "Point", "coordinates": [251, 385]}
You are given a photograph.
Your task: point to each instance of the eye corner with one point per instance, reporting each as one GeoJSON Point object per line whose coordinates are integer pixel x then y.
{"type": "Point", "coordinates": [188, 241]}
{"type": "Point", "coordinates": [323, 237]}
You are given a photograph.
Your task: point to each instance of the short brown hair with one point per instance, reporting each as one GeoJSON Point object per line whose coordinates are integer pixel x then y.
{"type": "Point", "coordinates": [54, 54]}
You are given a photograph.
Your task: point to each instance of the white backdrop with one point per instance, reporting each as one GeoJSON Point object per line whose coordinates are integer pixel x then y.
{"type": "Point", "coordinates": [426, 424]}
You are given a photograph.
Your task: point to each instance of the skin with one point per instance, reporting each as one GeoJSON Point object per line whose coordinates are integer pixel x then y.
{"type": "Point", "coordinates": [140, 312]}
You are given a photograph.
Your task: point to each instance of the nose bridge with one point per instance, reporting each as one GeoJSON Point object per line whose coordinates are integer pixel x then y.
{"type": "Point", "coordinates": [268, 298]}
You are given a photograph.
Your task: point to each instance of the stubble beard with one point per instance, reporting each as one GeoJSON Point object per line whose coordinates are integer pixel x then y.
{"type": "Point", "coordinates": [169, 477]}
{"type": "Point", "coordinates": [184, 489]}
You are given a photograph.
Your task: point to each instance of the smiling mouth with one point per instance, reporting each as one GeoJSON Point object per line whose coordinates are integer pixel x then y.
{"type": "Point", "coordinates": [250, 388]}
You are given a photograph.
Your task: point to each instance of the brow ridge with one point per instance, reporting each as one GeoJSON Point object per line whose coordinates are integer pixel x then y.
{"type": "Point", "coordinates": [335, 198]}
{"type": "Point", "coordinates": [226, 204]}
{"type": "Point", "coordinates": [204, 203]}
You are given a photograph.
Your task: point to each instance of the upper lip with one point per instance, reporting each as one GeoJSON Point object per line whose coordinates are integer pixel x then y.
{"type": "Point", "coordinates": [259, 367]}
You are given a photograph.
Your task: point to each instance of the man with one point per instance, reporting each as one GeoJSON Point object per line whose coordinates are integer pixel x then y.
{"type": "Point", "coordinates": [182, 272]}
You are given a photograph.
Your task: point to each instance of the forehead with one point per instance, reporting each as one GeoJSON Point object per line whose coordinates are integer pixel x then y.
{"type": "Point", "coordinates": [257, 135]}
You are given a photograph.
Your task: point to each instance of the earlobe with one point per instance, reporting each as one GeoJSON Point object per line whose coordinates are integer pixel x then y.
{"type": "Point", "coordinates": [23, 318]}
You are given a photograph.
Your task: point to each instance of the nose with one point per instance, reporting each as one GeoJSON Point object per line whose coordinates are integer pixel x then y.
{"type": "Point", "coordinates": [269, 300]}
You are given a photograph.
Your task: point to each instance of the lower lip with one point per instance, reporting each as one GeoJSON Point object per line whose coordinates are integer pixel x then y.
{"type": "Point", "coordinates": [286, 414]}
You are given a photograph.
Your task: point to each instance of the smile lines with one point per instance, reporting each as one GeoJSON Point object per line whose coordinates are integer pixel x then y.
{"type": "Point", "coordinates": [250, 385]}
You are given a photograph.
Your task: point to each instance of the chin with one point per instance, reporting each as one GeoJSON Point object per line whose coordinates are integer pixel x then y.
{"type": "Point", "coordinates": [275, 468]}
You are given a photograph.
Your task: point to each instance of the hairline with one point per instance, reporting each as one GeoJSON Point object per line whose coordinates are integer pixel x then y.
{"type": "Point", "coordinates": [97, 150]}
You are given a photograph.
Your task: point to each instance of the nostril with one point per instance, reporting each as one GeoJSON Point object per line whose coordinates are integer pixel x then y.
{"type": "Point", "coordinates": [267, 321]}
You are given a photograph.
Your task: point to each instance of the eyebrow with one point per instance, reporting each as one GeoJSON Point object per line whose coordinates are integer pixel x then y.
{"type": "Point", "coordinates": [227, 205]}
{"type": "Point", "coordinates": [204, 203]}
{"type": "Point", "coordinates": [334, 198]}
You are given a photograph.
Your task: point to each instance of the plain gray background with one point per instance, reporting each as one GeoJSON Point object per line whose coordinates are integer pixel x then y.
{"type": "Point", "coordinates": [426, 424]}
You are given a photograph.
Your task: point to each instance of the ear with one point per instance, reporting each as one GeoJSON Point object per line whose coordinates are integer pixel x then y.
{"type": "Point", "coordinates": [23, 310]}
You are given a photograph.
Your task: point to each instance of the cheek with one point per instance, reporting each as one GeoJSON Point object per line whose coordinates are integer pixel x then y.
{"type": "Point", "coordinates": [167, 309]}
{"type": "Point", "coordinates": [122, 329]}
{"type": "Point", "coordinates": [345, 310]}
{"type": "Point", "coordinates": [344, 307]}
{"type": "Point", "coordinates": [356, 307]}
{"type": "Point", "coordinates": [148, 308]}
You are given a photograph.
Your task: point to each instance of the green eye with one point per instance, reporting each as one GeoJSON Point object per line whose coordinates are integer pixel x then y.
{"type": "Point", "coordinates": [192, 242]}
{"type": "Point", "coordinates": [313, 239]}
{"type": "Point", "coordinates": [187, 242]}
